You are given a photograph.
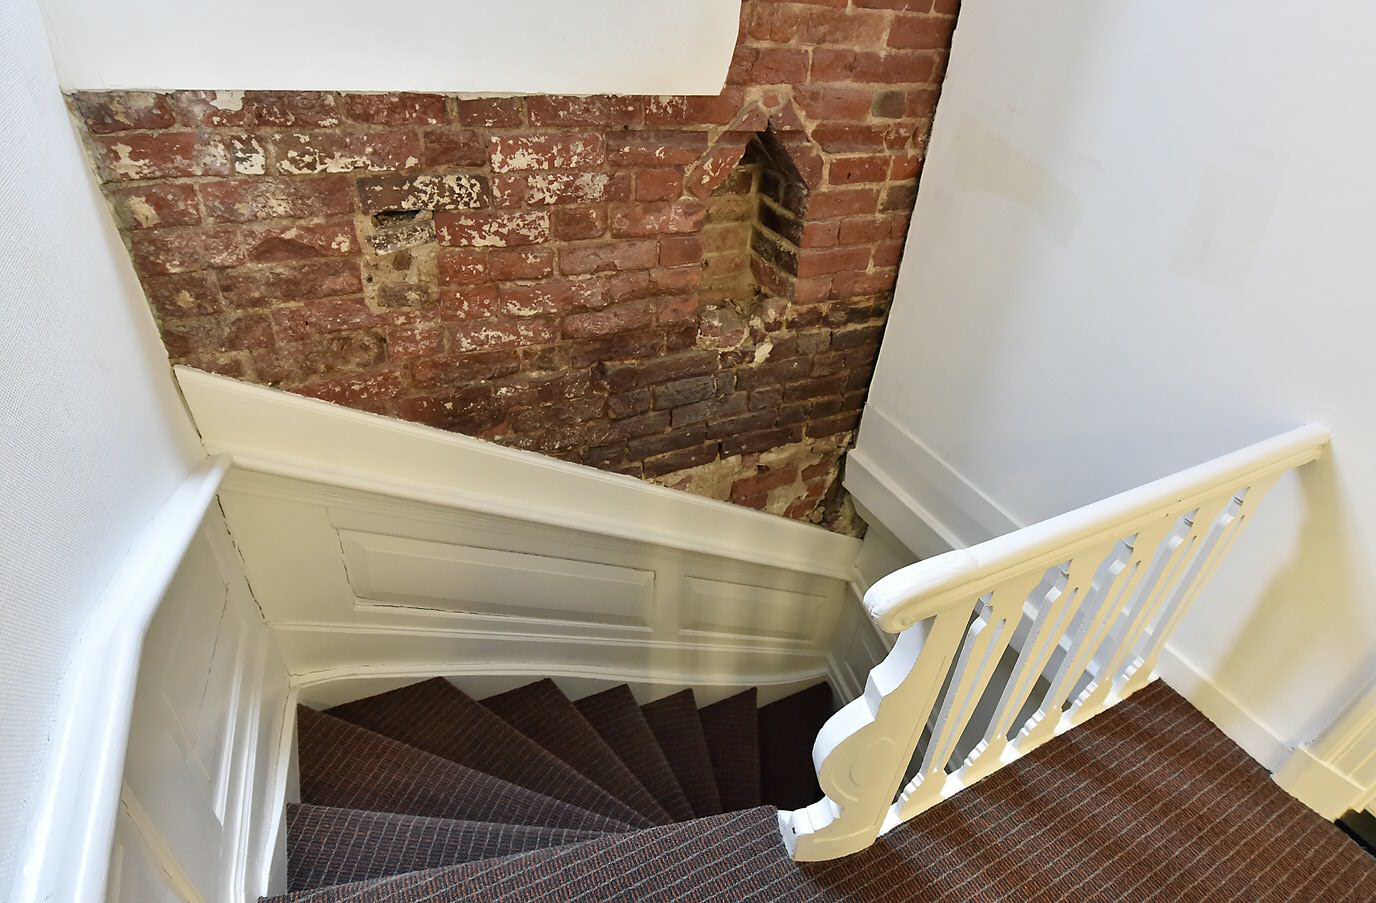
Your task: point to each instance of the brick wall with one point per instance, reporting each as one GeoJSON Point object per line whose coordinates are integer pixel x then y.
{"type": "Point", "coordinates": [687, 289]}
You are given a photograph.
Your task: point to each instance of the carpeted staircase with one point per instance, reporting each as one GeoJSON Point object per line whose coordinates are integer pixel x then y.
{"type": "Point", "coordinates": [425, 794]}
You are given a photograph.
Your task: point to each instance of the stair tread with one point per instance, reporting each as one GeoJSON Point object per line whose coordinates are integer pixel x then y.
{"type": "Point", "coordinates": [543, 713]}
{"type": "Point", "coordinates": [328, 845]}
{"type": "Point", "coordinates": [695, 860]}
{"type": "Point", "coordinates": [349, 767]}
{"type": "Point", "coordinates": [439, 718]}
{"type": "Point", "coordinates": [617, 718]}
{"type": "Point", "coordinates": [788, 729]}
{"type": "Point", "coordinates": [675, 723]}
{"type": "Point", "coordinates": [731, 728]}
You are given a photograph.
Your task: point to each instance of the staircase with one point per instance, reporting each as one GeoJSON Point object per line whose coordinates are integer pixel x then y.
{"type": "Point", "coordinates": [423, 793]}
{"type": "Point", "coordinates": [426, 777]}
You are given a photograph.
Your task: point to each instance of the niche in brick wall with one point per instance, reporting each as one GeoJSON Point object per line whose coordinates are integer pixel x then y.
{"type": "Point", "coordinates": [753, 230]}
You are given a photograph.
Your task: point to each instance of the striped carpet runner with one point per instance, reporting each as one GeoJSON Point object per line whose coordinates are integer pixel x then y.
{"type": "Point", "coordinates": [424, 794]}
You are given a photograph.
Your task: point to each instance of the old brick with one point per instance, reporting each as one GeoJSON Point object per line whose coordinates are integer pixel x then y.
{"type": "Point", "coordinates": [505, 264]}
{"type": "Point", "coordinates": [569, 110]}
{"type": "Point", "coordinates": [296, 324]}
{"type": "Point", "coordinates": [824, 261]}
{"type": "Point", "coordinates": [117, 111]}
{"type": "Point", "coordinates": [647, 446]}
{"type": "Point", "coordinates": [272, 244]}
{"type": "Point", "coordinates": [323, 355]}
{"type": "Point", "coordinates": [454, 147]}
{"type": "Point", "coordinates": [497, 332]}
{"type": "Point", "coordinates": [615, 318]}
{"type": "Point", "coordinates": [684, 391]}
{"type": "Point", "coordinates": [715, 169]}
{"type": "Point", "coordinates": [627, 404]}
{"type": "Point", "coordinates": [151, 206]}
{"type": "Point", "coordinates": [269, 286]}
{"type": "Point", "coordinates": [469, 302]}
{"type": "Point", "coordinates": [453, 191]}
{"type": "Point", "coordinates": [658, 184]}
{"type": "Point", "coordinates": [212, 109]}
{"type": "Point", "coordinates": [767, 66]}
{"type": "Point", "coordinates": [183, 295]}
{"type": "Point", "coordinates": [373, 151]}
{"type": "Point", "coordinates": [165, 251]}
{"type": "Point", "coordinates": [831, 426]}
{"type": "Point", "coordinates": [857, 337]}
{"type": "Point", "coordinates": [655, 148]}
{"type": "Point", "coordinates": [162, 155]}
{"type": "Point", "coordinates": [292, 109]}
{"type": "Point", "coordinates": [656, 219]}
{"type": "Point", "coordinates": [889, 104]}
{"type": "Point", "coordinates": [572, 187]}
{"type": "Point", "coordinates": [492, 230]}
{"type": "Point", "coordinates": [867, 168]}
{"type": "Point", "coordinates": [915, 32]}
{"type": "Point", "coordinates": [491, 112]}
{"type": "Point", "coordinates": [206, 335]}
{"type": "Point", "coordinates": [513, 153]}
{"type": "Point", "coordinates": [454, 370]}
{"type": "Point", "coordinates": [711, 409]}
{"type": "Point", "coordinates": [367, 391]}
{"type": "Point", "coordinates": [677, 110]}
{"type": "Point", "coordinates": [761, 441]}
{"type": "Point", "coordinates": [682, 459]}
{"type": "Point", "coordinates": [554, 388]}
{"type": "Point", "coordinates": [550, 298]}
{"type": "Point", "coordinates": [574, 223]}
{"type": "Point", "coordinates": [839, 102]}
{"type": "Point", "coordinates": [245, 200]}
{"type": "Point", "coordinates": [396, 109]}
{"type": "Point", "coordinates": [680, 250]}
{"type": "Point", "coordinates": [411, 342]}
{"type": "Point", "coordinates": [843, 202]}
{"type": "Point", "coordinates": [764, 481]}
{"type": "Point", "coordinates": [839, 65]}
{"type": "Point", "coordinates": [607, 256]}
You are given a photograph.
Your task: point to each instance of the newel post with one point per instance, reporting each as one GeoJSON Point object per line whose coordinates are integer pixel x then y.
{"type": "Point", "coordinates": [863, 751]}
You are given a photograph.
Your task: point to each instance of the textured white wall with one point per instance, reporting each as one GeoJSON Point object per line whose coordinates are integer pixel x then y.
{"type": "Point", "coordinates": [1144, 238]}
{"type": "Point", "coordinates": [489, 46]}
{"type": "Point", "coordinates": [94, 437]}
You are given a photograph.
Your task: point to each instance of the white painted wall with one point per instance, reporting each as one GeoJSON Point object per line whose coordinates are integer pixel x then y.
{"type": "Point", "coordinates": [1144, 238]}
{"type": "Point", "coordinates": [480, 46]}
{"type": "Point", "coordinates": [94, 439]}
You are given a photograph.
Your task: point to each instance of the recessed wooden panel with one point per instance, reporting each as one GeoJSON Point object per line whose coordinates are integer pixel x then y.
{"type": "Point", "coordinates": [751, 612]}
{"type": "Point", "coordinates": [417, 573]}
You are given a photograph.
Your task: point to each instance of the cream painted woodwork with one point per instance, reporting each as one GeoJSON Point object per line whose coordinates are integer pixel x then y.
{"type": "Point", "coordinates": [381, 551]}
{"type": "Point", "coordinates": [1100, 588]}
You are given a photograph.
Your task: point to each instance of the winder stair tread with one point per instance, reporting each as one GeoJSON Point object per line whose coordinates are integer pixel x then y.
{"type": "Point", "coordinates": [439, 718]}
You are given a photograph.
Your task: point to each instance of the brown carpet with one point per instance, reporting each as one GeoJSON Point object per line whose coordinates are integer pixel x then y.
{"type": "Point", "coordinates": [677, 727]}
{"type": "Point", "coordinates": [617, 719]}
{"type": "Point", "coordinates": [788, 729]}
{"type": "Point", "coordinates": [1148, 801]}
{"type": "Point", "coordinates": [732, 730]}
{"type": "Point", "coordinates": [439, 718]}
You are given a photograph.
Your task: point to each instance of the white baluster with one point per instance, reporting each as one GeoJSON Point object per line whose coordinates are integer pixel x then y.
{"type": "Point", "coordinates": [979, 656]}
{"type": "Point", "coordinates": [1203, 568]}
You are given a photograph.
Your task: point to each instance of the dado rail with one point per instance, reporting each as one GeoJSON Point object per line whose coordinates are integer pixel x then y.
{"type": "Point", "coordinates": [1011, 642]}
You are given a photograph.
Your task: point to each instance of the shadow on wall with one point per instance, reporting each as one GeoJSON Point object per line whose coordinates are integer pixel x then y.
{"type": "Point", "coordinates": [1330, 606]}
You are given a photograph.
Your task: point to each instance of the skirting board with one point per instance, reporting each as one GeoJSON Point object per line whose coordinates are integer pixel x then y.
{"type": "Point", "coordinates": [1241, 725]}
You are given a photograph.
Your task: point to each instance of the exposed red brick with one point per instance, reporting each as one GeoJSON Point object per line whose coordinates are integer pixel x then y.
{"type": "Point", "coordinates": [422, 191]}
{"type": "Point", "coordinates": [183, 295]}
{"type": "Point", "coordinates": [655, 148]}
{"type": "Point", "coordinates": [321, 316]}
{"type": "Point", "coordinates": [454, 147]}
{"type": "Point", "coordinates": [602, 109]}
{"type": "Point", "coordinates": [574, 223]}
{"type": "Point", "coordinates": [212, 109]}
{"type": "Point", "coordinates": [921, 32]}
{"type": "Point", "coordinates": [491, 112]}
{"type": "Point", "coordinates": [850, 170]}
{"type": "Point", "coordinates": [834, 102]}
{"type": "Point", "coordinates": [768, 66]}
{"type": "Point", "coordinates": [163, 155]}
{"type": "Point", "coordinates": [397, 109]}
{"type": "Point", "coordinates": [151, 206]}
{"type": "Point", "coordinates": [374, 151]}
{"type": "Point", "coordinates": [289, 284]}
{"type": "Point", "coordinates": [119, 111]}
{"type": "Point", "coordinates": [608, 256]}
{"type": "Point", "coordinates": [660, 184]}
{"type": "Point", "coordinates": [676, 110]}
{"type": "Point", "coordinates": [873, 67]}
{"type": "Point", "coordinates": [501, 332]}
{"type": "Point", "coordinates": [247, 199]}
{"type": "Point", "coordinates": [680, 250]}
{"type": "Point", "coordinates": [492, 230]}
{"type": "Point", "coordinates": [843, 202]}
{"type": "Point", "coordinates": [616, 318]}
{"type": "Point", "coordinates": [656, 219]}
{"type": "Point", "coordinates": [512, 153]}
